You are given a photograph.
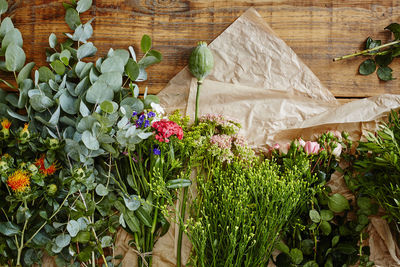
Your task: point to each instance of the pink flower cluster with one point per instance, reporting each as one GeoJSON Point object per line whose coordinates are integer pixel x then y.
{"type": "Point", "coordinates": [223, 141]}
{"type": "Point", "coordinates": [220, 120]}
{"type": "Point", "coordinates": [165, 129]}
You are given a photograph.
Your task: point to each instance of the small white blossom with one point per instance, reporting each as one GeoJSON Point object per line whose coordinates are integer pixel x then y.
{"type": "Point", "coordinates": [157, 108]}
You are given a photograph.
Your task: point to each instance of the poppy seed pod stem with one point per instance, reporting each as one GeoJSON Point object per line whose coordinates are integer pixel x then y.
{"type": "Point", "coordinates": [196, 114]}
{"type": "Point", "coordinates": [201, 63]}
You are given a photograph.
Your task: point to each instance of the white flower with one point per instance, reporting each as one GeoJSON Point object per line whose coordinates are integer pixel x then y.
{"type": "Point", "coordinates": [337, 151]}
{"type": "Point", "coordinates": [302, 142]}
{"type": "Point", "coordinates": [157, 108]}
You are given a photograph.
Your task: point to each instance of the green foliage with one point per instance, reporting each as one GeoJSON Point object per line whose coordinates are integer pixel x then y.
{"type": "Point", "coordinates": [322, 233]}
{"type": "Point", "coordinates": [240, 210]}
{"type": "Point", "coordinates": [86, 107]}
{"type": "Point", "coordinates": [376, 170]}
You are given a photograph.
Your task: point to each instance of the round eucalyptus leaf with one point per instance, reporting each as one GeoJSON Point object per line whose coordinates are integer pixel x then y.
{"type": "Point", "coordinates": [25, 72]}
{"type": "Point", "coordinates": [63, 240]}
{"type": "Point", "coordinates": [45, 74]}
{"type": "Point", "coordinates": [73, 228]}
{"type": "Point", "coordinates": [86, 123]}
{"type": "Point", "coordinates": [58, 67]}
{"type": "Point", "coordinates": [112, 79]}
{"type": "Point", "coordinates": [132, 69]}
{"type": "Point", "coordinates": [132, 202]}
{"type": "Point", "coordinates": [113, 64]}
{"type": "Point", "coordinates": [40, 102]}
{"type": "Point", "coordinates": [90, 141]}
{"type": "Point", "coordinates": [83, 5]}
{"type": "Point", "coordinates": [99, 92]}
{"type": "Point", "coordinates": [122, 54]}
{"type": "Point", "coordinates": [6, 26]}
{"type": "Point", "coordinates": [65, 55]}
{"type": "Point", "coordinates": [12, 36]}
{"type": "Point", "coordinates": [56, 249]}
{"type": "Point", "coordinates": [3, 6]}
{"type": "Point", "coordinates": [52, 40]}
{"type": "Point", "coordinates": [86, 50]}
{"type": "Point", "coordinates": [109, 107]}
{"type": "Point", "coordinates": [72, 18]}
{"type": "Point", "coordinates": [101, 190]}
{"type": "Point", "coordinates": [150, 99]}
{"type": "Point", "coordinates": [15, 58]}
{"type": "Point", "coordinates": [68, 103]}
{"type": "Point", "coordinates": [83, 109]}
{"type": "Point", "coordinates": [367, 67]}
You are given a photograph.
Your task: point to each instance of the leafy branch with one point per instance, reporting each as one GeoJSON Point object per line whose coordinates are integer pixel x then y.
{"type": "Point", "coordinates": [379, 60]}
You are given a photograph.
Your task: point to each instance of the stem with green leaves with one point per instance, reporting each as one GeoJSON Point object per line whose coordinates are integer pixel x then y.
{"type": "Point", "coordinates": [366, 51]}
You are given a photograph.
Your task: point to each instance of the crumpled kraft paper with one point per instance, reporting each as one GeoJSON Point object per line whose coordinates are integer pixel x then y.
{"type": "Point", "coordinates": [249, 53]}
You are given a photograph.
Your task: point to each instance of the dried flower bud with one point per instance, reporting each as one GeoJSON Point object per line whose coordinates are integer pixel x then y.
{"type": "Point", "coordinates": [201, 61]}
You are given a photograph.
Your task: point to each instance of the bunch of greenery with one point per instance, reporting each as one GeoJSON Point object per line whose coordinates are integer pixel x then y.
{"type": "Point", "coordinates": [322, 233]}
{"type": "Point", "coordinates": [375, 172]}
{"type": "Point", "coordinates": [240, 211]}
{"type": "Point", "coordinates": [84, 106]}
{"type": "Point", "coordinates": [31, 192]}
{"type": "Point", "coordinates": [242, 202]}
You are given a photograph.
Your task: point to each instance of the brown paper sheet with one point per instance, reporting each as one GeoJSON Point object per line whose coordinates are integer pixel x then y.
{"type": "Point", "coordinates": [260, 111]}
{"type": "Point", "coordinates": [249, 53]}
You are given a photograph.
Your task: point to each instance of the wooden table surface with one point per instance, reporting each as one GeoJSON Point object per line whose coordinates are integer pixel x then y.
{"type": "Point", "coordinates": [317, 30]}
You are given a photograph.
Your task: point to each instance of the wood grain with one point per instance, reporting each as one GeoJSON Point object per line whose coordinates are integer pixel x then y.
{"type": "Point", "coordinates": [317, 30]}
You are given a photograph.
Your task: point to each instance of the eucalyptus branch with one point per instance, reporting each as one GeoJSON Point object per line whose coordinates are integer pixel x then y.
{"type": "Point", "coordinates": [366, 51]}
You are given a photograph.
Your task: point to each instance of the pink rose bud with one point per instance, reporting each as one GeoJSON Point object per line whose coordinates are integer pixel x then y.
{"type": "Point", "coordinates": [311, 147]}
{"type": "Point", "coordinates": [276, 146]}
{"type": "Point", "coordinates": [337, 151]}
{"type": "Point", "coordinates": [285, 148]}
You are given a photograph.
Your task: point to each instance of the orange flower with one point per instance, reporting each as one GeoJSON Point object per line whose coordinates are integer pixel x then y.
{"type": "Point", "coordinates": [5, 123]}
{"type": "Point", "coordinates": [18, 181]}
{"type": "Point", "coordinates": [45, 171]}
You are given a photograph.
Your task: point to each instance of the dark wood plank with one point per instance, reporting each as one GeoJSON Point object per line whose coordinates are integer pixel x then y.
{"type": "Point", "coordinates": [317, 30]}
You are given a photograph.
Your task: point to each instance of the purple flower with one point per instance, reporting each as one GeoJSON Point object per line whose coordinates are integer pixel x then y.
{"type": "Point", "coordinates": [156, 151]}
{"type": "Point", "coordinates": [134, 114]}
{"type": "Point", "coordinates": [146, 123]}
{"type": "Point", "coordinates": [151, 114]}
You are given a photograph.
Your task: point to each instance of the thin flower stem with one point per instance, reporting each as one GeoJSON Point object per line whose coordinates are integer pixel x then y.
{"type": "Point", "coordinates": [196, 114]}
{"type": "Point", "coordinates": [181, 226]}
{"type": "Point", "coordinates": [51, 217]}
{"type": "Point", "coordinates": [366, 51]}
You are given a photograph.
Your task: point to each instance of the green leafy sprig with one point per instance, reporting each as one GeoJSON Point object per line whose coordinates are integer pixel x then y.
{"type": "Point", "coordinates": [380, 55]}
